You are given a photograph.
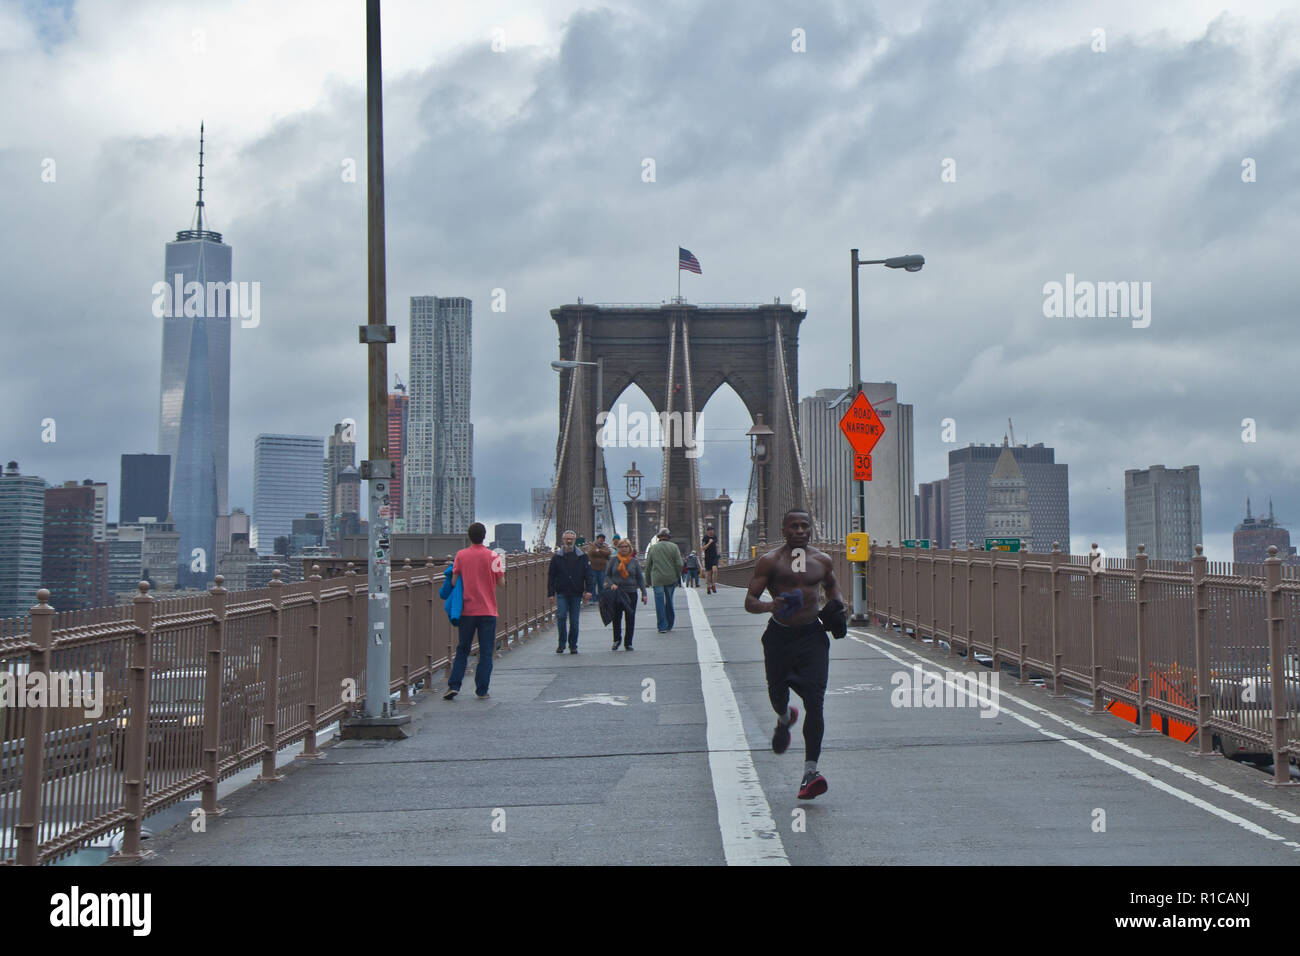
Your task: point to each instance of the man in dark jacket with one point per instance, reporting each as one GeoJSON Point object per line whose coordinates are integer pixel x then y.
{"type": "Point", "coordinates": [569, 582]}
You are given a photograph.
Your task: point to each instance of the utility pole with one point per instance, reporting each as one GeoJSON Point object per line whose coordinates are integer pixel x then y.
{"type": "Point", "coordinates": [378, 720]}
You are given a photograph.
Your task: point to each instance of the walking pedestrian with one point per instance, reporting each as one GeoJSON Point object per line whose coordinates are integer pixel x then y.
{"type": "Point", "coordinates": [598, 553]}
{"type": "Point", "coordinates": [664, 565]}
{"type": "Point", "coordinates": [479, 572]}
{"type": "Point", "coordinates": [625, 577]}
{"type": "Point", "coordinates": [710, 543]}
{"type": "Point", "coordinates": [568, 583]}
{"type": "Point", "coordinates": [692, 567]}
{"type": "Point", "coordinates": [796, 650]}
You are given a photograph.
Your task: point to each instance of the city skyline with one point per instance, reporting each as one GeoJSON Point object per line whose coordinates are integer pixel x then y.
{"type": "Point", "coordinates": [276, 170]}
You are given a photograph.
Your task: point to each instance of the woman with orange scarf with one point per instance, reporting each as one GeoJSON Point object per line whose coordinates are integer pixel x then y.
{"type": "Point", "coordinates": [624, 574]}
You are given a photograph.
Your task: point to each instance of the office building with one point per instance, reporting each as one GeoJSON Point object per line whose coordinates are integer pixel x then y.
{"type": "Point", "coordinates": [932, 513]}
{"type": "Point", "coordinates": [161, 539]}
{"type": "Point", "coordinates": [145, 487]}
{"type": "Point", "coordinates": [237, 522]}
{"type": "Point", "coordinates": [508, 537]}
{"type": "Point", "coordinates": [398, 408]}
{"type": "Point", "coordinates": [22, 535]}
{"type": "Point", "coordinates": [308, 532]}
{"type": "Point", "coordinates": [286, 485]}
{"type": "Point", "coordinates": [1252, 538]}
{"type": "Point", "coordinates": [970, 471]}
{"type": "Point", "coordinates": [1162, 510]}
{"type": "Point", "coordinates": [71, 565]}
{"type": "Point", "coordinates": [194, 404]}
{"type": "Point", "coordinates": [125, 559]}
{"type": "Point", "coordinates": [439, 468]}
{"type": "Point", "coordinates": [235, 563]}
{"type": "Point", "coordinates": [1006, 509]}
{"type": "Point", "coordinates": [341, 453]}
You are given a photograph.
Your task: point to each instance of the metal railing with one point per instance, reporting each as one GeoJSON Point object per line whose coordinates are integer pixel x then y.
{"type": "Point", "coordinates": [193, 690]}
{"type": "Point", "coordinates": [1171, 642]}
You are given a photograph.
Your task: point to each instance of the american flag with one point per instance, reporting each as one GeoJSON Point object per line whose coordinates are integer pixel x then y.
{"type": "Point", "coordinates": [687, 261]}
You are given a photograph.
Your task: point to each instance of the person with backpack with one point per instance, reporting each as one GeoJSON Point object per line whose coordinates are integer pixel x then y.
{"type": "Point", "coordinates": [692, 568]}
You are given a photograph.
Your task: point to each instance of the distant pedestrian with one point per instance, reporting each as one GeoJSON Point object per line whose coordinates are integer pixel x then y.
{"type": "Point", "coordinates": [664, 565]}
{"type": "Point", "coordinates": [710, 543]}
{"type": "Point", "coordinates": [479, 572]}
{"type": "Point", "coordinates": [626, 578]}
{"type": "Point", "coordinates": [692, 568]}
{"type": "Point", "coordinates": [568, 581]}
{"type": "Point", "coordinates": [598, 553]}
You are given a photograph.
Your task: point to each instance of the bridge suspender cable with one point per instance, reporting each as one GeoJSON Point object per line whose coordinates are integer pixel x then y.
{"type": "Point", "coordinates": [692, 463]}
{"type": "Point", "coordinates": [794, 432]}
{"type": "Point", "coordinates": [672, 366]}
{"type": "Point", "coordinates": [548, 507]}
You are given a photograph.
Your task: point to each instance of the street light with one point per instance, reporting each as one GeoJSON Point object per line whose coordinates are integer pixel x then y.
{"type": "Point", "coordinates": [908, 263]}
{"type": "Point", "coordinates": [632, 479]}
{"type": "Point", "coordinates": [760, 450]}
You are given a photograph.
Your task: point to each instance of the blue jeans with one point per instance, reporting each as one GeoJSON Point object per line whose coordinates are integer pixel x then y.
{"type": "Point", "coordinates": [664, 614]}
{"type": "Point", "coordinates": [566, 617]}
{"type": "Point", "coordinates": [486, 629]}
{"type": "Point", "coordinates": [600, 584]}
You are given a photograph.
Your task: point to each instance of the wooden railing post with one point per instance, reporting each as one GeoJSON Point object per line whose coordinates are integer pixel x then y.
{"type": "Point", "coordinates": [271, 681]}
{"type": "Point", "coordinates": [214, 687]}
{"type": "Point", "coordinates": [1204, 690]}
{"type": "Point", "coordinates": [137, 730]}
{"type": "Point", "coordinates": [1144, 727]}
{"type": "Point", "coordinates": [309, 750]}
{"type": "Point", "coordinates": [29, 802]}
{"type": "Point", "coordinates": [1095, 571]}
{"type": "Point", "coordinates": [1278, 689]}
{"type": "Point", "coordinates": [1058, 621]}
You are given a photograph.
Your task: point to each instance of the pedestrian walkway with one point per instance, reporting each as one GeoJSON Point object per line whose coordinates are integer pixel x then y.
{"type": "Point", "coordinates": [663, 756]}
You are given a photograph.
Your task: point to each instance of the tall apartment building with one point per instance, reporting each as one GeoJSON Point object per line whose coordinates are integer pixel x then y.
{"type": "Point", "coordinates": [144, 489]}
{"type": "Point", "coordinates": [194, 402]}
{"type": "Point", "coordinates": [1162, 510]}
{"type": "Point", "coordinates": [970, 470]}
{"type": "Point", "coordinates": [73, 569]}
{"type": "Point", "coordinates": [341, 452]}
{"type": "Point", "coordinates": [22, 534]}
{"type": "Point", "coordinates": [398, 408]}
{"type": "Point", "coordinates": [1252, 538]}
{"type": "Point", "coordinates": [891, 511]}
{"type": "Point", "coordinates": [286, 485]}
{"type": "Point", "coordinates": [438, 497]}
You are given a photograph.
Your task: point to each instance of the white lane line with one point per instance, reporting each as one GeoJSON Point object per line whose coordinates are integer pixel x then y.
{"type": "Point", "coordinates": [1133, 751]}
{"type": "Point", "coordinates": [749, 835]}
{"type": "Point", "coordinates": [1132, 771]}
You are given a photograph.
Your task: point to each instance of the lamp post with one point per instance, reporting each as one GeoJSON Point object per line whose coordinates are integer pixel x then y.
{"type": "Point", "coordinates": [598, 482]}
{"type": "Point", "coordinates": [909, 263]}
{"type": "Point", "coordinates": [632, 481]}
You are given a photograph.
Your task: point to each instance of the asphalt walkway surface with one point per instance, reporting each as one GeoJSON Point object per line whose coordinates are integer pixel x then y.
{"type": "Point", "coordinates": [663, 756]}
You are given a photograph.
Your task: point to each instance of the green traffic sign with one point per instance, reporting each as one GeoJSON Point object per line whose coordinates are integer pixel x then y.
{"type": "Point", "coordinates": [580, 542]}
{"type": "Point", "coordinates": [916, 542]}
{"type": "Point", "coordinates": [1001, 544]}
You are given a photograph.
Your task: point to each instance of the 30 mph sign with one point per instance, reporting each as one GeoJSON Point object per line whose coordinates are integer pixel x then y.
{"type": "Point", "coordinates": [863, 428]}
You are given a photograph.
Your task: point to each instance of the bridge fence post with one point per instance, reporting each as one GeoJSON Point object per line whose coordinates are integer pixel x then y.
{"type": "Point", "coordinates": [405, 699]}
{"type": "Point", "coordinates": [1095, 572]}
{"type": "Point", "coordinates": [1204, 690]}
{"type": "Point", "coordinates": [271, 681]}
{"type": "Point", "coordinates": [309, 751]}
{"type": "Point", "coordinates": [916, 597]}
{"type": "Point", "coordinates": [137, 732]}
{"type": "Point", "coordinates": [350, 576]}
{"type": "Point", "coordinates": [1278, 691]}
{"type": "Point", "coordinates": [29, 800]}
{"type": "Point", "coordinates": [952, 599]}
{"type": "Point", "coordinates": [433, 597]}
{"type": "Point", "coordinates": [934, 601]}
{"type": "Point", "coordinates": [214, 687]}
{"type": "Point", "coordinates": [994, 651]}
{"type": "Point", "coordinates": [889, 591]}
{"type": "Point", "coordinates": [1058, 621]}
{"type": "Point", "coordinates": [1143, 655]}
{"type": "Point", "coordinates": [1020, 618]}
{"type": "Point", "coordinates": [970, 605]}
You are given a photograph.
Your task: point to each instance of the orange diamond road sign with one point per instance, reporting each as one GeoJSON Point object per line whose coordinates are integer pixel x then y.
{"type": "Point", "coordinates": [862, 426]}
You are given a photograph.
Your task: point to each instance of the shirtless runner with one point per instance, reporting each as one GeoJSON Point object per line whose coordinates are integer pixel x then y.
{"type": "Point", "coordinates": [796, 650]}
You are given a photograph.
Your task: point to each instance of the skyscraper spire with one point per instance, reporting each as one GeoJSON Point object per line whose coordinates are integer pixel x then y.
{"type": "Point", "coordinates": [199, 204]}
{"type": "Point", "coordinates": [1247, 508]}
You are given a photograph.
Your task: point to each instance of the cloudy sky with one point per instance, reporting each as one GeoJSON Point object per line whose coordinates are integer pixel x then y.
{"type": "Point", "coordinates": [1108, 140]}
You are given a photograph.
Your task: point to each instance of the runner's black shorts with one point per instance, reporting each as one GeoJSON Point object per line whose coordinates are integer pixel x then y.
{"type": "Point", "coordinates": [710, 562]}
{"type": "Point", "coordinates": [797, 658]}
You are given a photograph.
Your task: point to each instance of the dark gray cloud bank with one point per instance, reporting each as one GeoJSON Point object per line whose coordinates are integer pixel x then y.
{"type": "Point", "coordinates": [521, 170]}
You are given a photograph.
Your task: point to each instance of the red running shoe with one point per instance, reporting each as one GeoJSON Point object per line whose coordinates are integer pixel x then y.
{"type": "Point", "coordinates": [814, 785]}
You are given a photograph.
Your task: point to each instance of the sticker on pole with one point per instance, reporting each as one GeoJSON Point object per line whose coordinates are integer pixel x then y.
{"type": "Point", "coordinates": [863, 428]}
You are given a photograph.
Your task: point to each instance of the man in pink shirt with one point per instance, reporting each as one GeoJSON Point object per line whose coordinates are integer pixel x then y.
{"type": "Point", "coordinates": [480, 572]}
